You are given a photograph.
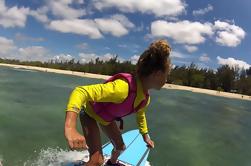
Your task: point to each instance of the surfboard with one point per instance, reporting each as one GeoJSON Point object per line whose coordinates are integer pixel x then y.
{"type": "Point", "coordinates": [136, 152]}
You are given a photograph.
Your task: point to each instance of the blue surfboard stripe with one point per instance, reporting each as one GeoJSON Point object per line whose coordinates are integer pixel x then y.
{"type": "Point", "coordinates": [143, 158]}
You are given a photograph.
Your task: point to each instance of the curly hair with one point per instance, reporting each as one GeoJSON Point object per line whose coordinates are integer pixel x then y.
{"type": "Point", "coordinates": [154, 58]}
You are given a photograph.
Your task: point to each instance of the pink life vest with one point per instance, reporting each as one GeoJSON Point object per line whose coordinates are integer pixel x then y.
{"type": "Point", "coordinates": [113, 111]}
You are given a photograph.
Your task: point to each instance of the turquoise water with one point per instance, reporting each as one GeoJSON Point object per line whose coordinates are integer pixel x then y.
{"type": "Point", "coordinates": [189, 129]}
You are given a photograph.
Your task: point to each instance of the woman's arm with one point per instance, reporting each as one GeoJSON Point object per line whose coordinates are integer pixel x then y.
{"type": "Point", "coordinates": [142, 125]}
{"type": "Point", "coordinates": [141, 121]}
{"type": "Point", "coordinates": [75, 140]}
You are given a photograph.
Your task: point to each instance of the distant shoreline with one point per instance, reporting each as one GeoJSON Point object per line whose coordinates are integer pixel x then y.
{"type": "Point", "coordinates": [99, 76]}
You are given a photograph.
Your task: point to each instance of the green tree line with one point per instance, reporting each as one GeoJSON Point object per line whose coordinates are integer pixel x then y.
{"type": "Point", "coordinates": [224, 78]}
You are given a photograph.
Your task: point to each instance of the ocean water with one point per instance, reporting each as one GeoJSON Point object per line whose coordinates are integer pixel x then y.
{"type": "Point", "coordinates": [189, 129]}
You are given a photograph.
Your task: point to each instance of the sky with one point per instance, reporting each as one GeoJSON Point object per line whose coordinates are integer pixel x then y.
{"type": "Point", "coordinates": [207, 33]}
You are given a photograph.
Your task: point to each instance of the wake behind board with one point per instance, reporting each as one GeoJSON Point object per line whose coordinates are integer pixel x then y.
{"type": "Point", "coordinates": [136, 152]}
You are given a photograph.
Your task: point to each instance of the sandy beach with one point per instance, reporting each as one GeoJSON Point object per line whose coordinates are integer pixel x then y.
{"type": "Point", "coordinates": [98, 76]}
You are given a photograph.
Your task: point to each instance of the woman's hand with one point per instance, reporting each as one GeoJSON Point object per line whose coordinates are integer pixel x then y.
{"type": "Point", "coordinates": [74, 139]}
{"type": "Point", "coordinates": [148, 141]}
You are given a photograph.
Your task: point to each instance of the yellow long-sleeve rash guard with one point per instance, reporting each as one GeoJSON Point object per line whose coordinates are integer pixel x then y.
{"type": "Point", "coordinates": [115, 91]}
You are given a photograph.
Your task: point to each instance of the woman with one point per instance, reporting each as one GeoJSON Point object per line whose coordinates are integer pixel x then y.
{"type": "Point", "coordinates": [121, 95]}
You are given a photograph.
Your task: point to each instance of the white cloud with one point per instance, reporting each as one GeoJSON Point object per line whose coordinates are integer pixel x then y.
{"type": "Point", "coordinates": [204, 58]}
{"type": "Point", "coordinates": [12, 17]}
{"type": "Point", "coordinates": [123, 20]}
{"type": "Point", "coordinates": [134, 59]}
{"type": "Point", "coordinates": [228, 35]}
{"type": "Point", "coordinates": [182, 31]}
{"type": "Point", "coordinates": [6, 46]}
{"type": "Point", "coordinates": [68, 13]}
{"type": "Point", "coordinates": [118, 25]}
{"type": "Point", "coordinates": [158, 8]}
{"type": "Point", "coordinates": [176, 54]}
{"type": "Point", "coordinates": [40, 14]}
{"type": "Point", "coordinates": [187, 32]}
{"type": "Point", "coordinates": [190, 48]}
{"type": "Point", "coordinates": [108, 56]}
{"type": "Point", "coordinates": [203, 11]}
{"type": "Point", "coordinates": [233, 62]}
{"type": "Point", "coordinates": [62, 58]}
{"type": "Point", "coordinates": [23, 37]}
{"type": "Point", "coordinates": [9, 50]}
{"type": "Point", "coordinates": [77, 26]}
{"type": "Point", "coordinates": [63, 9]}
{"type": "Point", "coordinates": [33, 53]}
{"type": "Point", "coordinates": [87, 57]}
{"type": "Point", "coordinates": [111, 26]}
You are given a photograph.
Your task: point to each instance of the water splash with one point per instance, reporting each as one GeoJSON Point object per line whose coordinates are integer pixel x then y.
{"type": "Point", "coordinates": [59, 157]}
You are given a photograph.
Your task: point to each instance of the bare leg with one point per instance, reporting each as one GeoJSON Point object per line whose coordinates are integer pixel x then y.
{"type": "Point", "coordinates": [93, 140]}
{"type": "Point", "coordinates": [114, 134]}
